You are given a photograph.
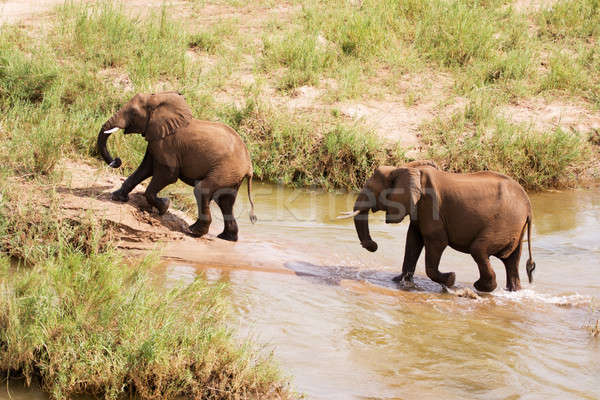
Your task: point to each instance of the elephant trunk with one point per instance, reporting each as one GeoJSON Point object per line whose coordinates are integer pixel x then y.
{"type": "Point", "coordinates": [115, 122]}
{"type": "Point", "coordinates": [363, 205]}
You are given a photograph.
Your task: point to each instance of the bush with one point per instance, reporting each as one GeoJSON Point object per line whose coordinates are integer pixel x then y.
{"type": "Point", "coordinates": [536, 160]}
{"type": "Point", "coordinates": [288, 150]}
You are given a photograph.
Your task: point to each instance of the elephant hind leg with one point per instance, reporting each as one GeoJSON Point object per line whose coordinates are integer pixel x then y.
{"type": "Point", "coordinates": [203, 191]}
{"type": "Point", "coordinates": [511, 263]}
{"type": "Point", "coordinates": [487, 277]}
{"type": "Point", "coordinates": [225, 198]}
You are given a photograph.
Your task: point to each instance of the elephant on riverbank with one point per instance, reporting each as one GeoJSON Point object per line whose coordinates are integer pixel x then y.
{"type": "Point", "coordinates": [210, 156]}
{"type": "Point", "coordinates": [483, 214]}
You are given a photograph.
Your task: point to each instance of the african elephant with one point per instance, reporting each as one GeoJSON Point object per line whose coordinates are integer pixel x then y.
{"type": "Point", "coordinates": [483, 214]}
{"type": "Point", "coordinates": [210, 156]}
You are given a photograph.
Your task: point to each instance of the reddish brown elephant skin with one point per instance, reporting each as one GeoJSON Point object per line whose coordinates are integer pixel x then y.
{"type": "Point", "coordinates": [210, 156]}
{"type": "Point", "coordinates": [483, 214]}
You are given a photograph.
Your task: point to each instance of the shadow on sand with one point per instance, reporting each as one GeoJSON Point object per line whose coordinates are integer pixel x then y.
{"type": "Point", "coordinates": [147, 213]}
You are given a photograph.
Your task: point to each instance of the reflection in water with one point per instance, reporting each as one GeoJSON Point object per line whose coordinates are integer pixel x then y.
{"type": "Point", "coordinates": [16, 389]}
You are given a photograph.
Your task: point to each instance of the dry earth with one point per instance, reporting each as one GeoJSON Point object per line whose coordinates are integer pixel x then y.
{"type": "Point", "coordinates": [19, 11]}
{"type": "Point", "coordinates": [543, 115]}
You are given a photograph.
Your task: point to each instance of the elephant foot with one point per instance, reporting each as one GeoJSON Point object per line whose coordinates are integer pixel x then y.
{"type": "Point", "coordinates": [119, 195]}
{"type": "Point", "coordinates": [162, 204]}
{"type": "Point", "coordinates": [231, 236]}
{"type": "Point", "coordinates": [513, 285]}
{"type": "Point", "coordinates": [404, 277]}
{"type": "Point", "coordinates": [448, 279]}
{"type": "Point", "coordinates": [199, 228]}
{"type": "Point", "coordinates": [369, 245]}
{"type": "Point", "coordinates": [485, 285]}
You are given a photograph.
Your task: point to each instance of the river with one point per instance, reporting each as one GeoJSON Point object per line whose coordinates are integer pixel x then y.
{"type": "Point", "coordinates": [343, 330]}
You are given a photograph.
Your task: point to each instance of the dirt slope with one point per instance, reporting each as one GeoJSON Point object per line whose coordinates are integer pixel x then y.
{"type": "Point", "coordinates": [139, 229]}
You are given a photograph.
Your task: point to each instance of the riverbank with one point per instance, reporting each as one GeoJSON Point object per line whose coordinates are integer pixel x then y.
{"type": "Point", "coordinates": [322, 111]}
{"type": "Point", "coordinates": [83, 313]}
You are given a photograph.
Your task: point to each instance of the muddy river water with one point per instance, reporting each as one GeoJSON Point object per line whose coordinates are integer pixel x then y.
{"type": "Point", "coordinates": [341, 329]}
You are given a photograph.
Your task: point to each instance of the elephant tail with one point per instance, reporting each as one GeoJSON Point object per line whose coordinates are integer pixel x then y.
{"type": "Point", "coordinates": [530, 267]}
{"type": "Point", "coordinates": [253, 218]}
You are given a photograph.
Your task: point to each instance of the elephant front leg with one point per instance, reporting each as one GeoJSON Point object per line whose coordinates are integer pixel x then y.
{"type": "Point", "coordinates": [412, 251]}
{"type": "Point", "coordinates": [433, 254]}
{"type": "Point", "coordinates": [143, 171]}
{"type": "Point", "coordinates": [162, 177]}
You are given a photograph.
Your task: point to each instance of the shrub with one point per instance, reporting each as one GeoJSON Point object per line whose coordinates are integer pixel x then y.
{"type": "Point", "coordinates": [536, 160]}
{"type": "Point", "coordinates": [84, 320]}
{"type": "Point", "coordinates": [288, 150]}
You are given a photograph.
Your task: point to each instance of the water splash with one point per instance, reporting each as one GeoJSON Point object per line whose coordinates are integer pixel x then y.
{"type": "Point", "coordinates": [567, 300]}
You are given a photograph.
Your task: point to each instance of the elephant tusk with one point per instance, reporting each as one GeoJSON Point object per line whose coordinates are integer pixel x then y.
{"type": "Point", "coordinates": [108, 132]}
{"type": "Point", "coordinates": [348, 214]}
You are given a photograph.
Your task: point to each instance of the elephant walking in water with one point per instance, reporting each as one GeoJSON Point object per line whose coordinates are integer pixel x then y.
{"type": "Point", "coordinates": [483, 214]}
{"type": "Point", "coordinates": [209, 156]}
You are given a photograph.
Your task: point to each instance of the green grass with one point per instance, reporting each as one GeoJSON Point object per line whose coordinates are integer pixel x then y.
{"type": "Point", "coordinates": [81, 319]}
{"type": "Point", "coordinates": [568, 18]}
{"type": "Point", "coordinates": [55, 95]}
{"type": "Point", "coordinates": [482, 43]}
{"type": "Point", "coordinates": [76, 315]}
{"type": "Point", "coordinates": [304, 57]}
{"type": "Point", "coordinates": [286, 149]}
{"type": "Point", "coordinates": [477, 139]}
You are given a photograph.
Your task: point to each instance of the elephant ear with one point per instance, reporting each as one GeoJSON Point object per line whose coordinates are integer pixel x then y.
{"type": "Point", "coordinates": [408, 179]}
{"type": "Point", "coordinates": [167, 111]}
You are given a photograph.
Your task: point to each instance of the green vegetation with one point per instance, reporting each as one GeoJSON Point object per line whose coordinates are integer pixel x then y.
{"type": "Point", "coordinates": [578, 19]}
{"type": "Point", "coordinates": [286, 150]}
{"type": "Point", "coordinates": [477, 138]}
{"type": "Point", "coordinates": [80, 318]}
{"type": "Point", "coordinates": [76, 315]}
{"type": "Point", "coordinates": [487, 46]}
{"type": "Point", "coordinates": [55, 95]}
{"type": "Point", "coordinates": [75, 318]}
{"type": "Point", "coordinates": [536, 160]}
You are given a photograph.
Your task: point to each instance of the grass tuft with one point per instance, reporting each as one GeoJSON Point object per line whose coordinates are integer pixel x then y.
{"type": "Point", "coordinates": [288, 150]}
{"type": "Point", "coordinates": [474, 140]}
{"type": "Point", "coordinates": [568, 18]}
{"type": "Point", "coordinates": [303, 56]}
